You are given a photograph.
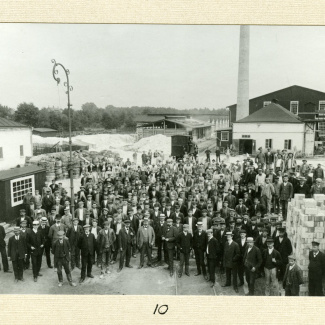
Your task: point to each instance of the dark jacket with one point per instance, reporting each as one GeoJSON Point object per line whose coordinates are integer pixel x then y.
{"type": "Point", "coordinates": [28, 219]}
{"type": "Point", "coordinates": [275, 254]}
{"type": "Point", "coordinates": [296, 278]}
{"type": "Point", "coordinates": [171, 234]}
{"type": "Point", "coordinates": [242, 249]}
{"type": "Point", "coordinates": [284, 248]}
{"type": "Point", "coordinates": [87, 244]}
{"type": "Point", "coordinates": [200, 241]}
{"type": "Point", "coordinates": [101, 239]}
{"type": "Point", "coordinates": [66, 249]}
{"type": "Point", "coordinates": [74, 236]}
{"type": "Point", "coordinates": [253, 258]}
{"type": "Point", "coordinates": [125, 238]}
{"type": "Point", "coordinates": [194, 221]}
{"type": "Point", "coordinates": [184, 242]}
{"type": "Point", "coordinates": [2, 237]}
{"type": "Point", "coordinates": [231, 254]}
{"type": "Point", "coordinates": [14, 248]}
{"type": "Point", "coordinates": [213, 247]}
{"type": "Point", "coordinates": [316, 266]}
{"type": "Point", "coordinates": [35, 240]}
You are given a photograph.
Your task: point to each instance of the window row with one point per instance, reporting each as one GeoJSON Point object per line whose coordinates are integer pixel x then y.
{"type": "Point", "coordinates": [21, 151]}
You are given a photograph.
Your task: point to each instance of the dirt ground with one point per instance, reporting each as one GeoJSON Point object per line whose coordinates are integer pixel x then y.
{"type": "Point", "coordinates": [145, 281]}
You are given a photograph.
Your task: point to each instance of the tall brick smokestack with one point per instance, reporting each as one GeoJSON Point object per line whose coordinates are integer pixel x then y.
{"type": "Point", "coordinates": [243, 75]}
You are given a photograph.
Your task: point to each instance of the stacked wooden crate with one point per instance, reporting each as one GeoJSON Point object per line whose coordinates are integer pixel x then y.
{"type": "Point", "coordinates": [305, 223]}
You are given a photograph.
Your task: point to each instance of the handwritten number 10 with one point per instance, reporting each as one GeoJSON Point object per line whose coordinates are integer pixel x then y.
{"type": "Point", "coordinates": [161, 310]}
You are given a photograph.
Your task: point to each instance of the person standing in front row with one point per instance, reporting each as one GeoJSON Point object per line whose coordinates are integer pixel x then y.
{"type": "Point", "coordinates": [126, 238]}
{"type": "Point", "coordinates": [169, 236]}
{"type": "Point", "coordinates": [145, 240]}
{"type": "Point", "coordinates": [17, 252]}
{"type": "Point", "coordinates": [87, 244]}
{"type": "Point", "coordinates": [272, 261]}
{"type": "Point", "coordinates": [200, 245]}
{"type": "Point", "coordinates": [292, 278]}
{"type": "Point", "coordinates": [3, 250]}
{"type": "Point", "coordinates": [61, 252]}
{"type": "Point", "coordinates": [286, 193]}
{"type": "Point", "coordinates": [230, 261]}
{"type": "Point", "coordinates": [316, 270]}
{"type": "Point", "coordinates": [252, 262]}
{"type": "Point", "coordinates": [213, 250]}
{"type": "Point", "coordinates": [184, 244]}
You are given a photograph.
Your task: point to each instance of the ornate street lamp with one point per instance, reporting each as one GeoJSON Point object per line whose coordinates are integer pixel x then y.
{"type": "Point", "coordinates": [69, 88]}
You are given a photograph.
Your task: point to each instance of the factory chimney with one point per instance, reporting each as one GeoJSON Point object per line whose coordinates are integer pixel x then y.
{"type": "Point", "coordinates": [243, 74]}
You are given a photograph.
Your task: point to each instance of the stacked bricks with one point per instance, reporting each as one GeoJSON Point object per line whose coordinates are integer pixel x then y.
{"type": "Point", "coordinates": [305, 223]}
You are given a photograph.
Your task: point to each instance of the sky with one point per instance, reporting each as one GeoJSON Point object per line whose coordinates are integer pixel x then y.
{"type": "Point", "coordinates": [180, 66]}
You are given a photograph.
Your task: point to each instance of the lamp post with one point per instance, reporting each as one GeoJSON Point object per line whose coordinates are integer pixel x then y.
{"type": "Point", "coordinates": [69, 88]}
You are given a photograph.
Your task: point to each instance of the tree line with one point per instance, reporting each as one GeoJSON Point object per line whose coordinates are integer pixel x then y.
{"type": "Point", "coordinates": [90, 116]}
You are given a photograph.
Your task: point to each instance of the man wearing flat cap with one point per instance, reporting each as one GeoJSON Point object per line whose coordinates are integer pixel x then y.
{"type": "Point", "coordinates": [61, 252]}
{"type": "Point", "coordinates": [17, 252]}
{"type": "Point", "coordinates": [87, 245]}
{"type": "Point", "coordinates": [23, 217]}
{"type": "Point", "coordinates": [35, 243]}
{"type": "Point", "coordinates": [292, 278]}
{"type": "Point", "coordinates": [252, 262]}
{"type": "Point", "coordinates": [316, 270]}
{"type": "Point", "coordinates": [271, 261]}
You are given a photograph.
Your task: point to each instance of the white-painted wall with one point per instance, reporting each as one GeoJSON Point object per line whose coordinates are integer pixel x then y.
{"type": "Point", "coordinates": [10, 140]}
{"type": "Point", "coordinates": [278, 132]}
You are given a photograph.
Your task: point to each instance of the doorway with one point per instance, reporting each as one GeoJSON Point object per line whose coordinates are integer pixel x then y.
{"type": "Point", "coordinates": [245, 146]}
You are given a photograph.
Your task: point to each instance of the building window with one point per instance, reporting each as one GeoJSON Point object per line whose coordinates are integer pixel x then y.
{"type": "Point", "coordinates": [224, 136]}
{"type": "Point", "coordinates": [268, 143]}
{"type": "Point", "coordinates": [1, 153]}
{"type": "Point", "coordinates": [21, 151]}
{"type": "Point", "coordinates": [321, 106]}
{"type": "Point", "coordinates": [247, 136]}
{"type": "Point", "coordinates": [266, 103]}
{"type": "Point", "coordinates": [321, 129]}
{"type": "Point", "coordinates": [287, 144]}
{"type": "Point", "coordinates": [294, 106]}
{"type": "Point", "coordinates": [19, 188]}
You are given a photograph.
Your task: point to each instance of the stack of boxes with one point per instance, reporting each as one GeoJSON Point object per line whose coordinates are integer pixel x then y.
{"type": "Point", "coordinates": [305, 223]}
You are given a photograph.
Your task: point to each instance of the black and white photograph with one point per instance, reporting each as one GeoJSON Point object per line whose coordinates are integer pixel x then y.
{"type": "Point", "coordinates": [174, 160]}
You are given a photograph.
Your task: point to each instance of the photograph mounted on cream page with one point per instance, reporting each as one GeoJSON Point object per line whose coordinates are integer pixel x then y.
{"type": "Point", "coordinates": [162, 160]}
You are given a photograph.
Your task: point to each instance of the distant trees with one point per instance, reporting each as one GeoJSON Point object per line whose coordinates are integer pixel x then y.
{"type": "Point", "coordinates": [90, 116]}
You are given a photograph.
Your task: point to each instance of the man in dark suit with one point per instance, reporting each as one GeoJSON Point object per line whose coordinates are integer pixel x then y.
{"type": "Point", "coordinates": [61, 252]}
{"type": "Point", "coordinates": [169, 237]}
{"type": "Point", "coordinates": [242, 248]}
{"type": "Point", "coordinates": [44, 229]}
{"type": "Point", "coordinates": [283, 245]}
{"type": "Point", "coordinates": [196, 212]}
{"type": "Point", "coordinates": [200, 245]}
{"type": "Point", "coordinates": [286, 193]}
{"type": "Point", "coordinates": [126, 241]}
{"type": "Point", "coordinates": [221, 237]}
{"type": "Point", "coordinates": [184, 244]}
{"type": "Point", "coordinates": [17, 252]}
{"type": "Point", "coordinates": [47, 201]}
{"type": "Point", "coordinates": [35, 243]}
{"type": "Point", "coordinates": [74, 234]}
{"type": "Point", "coordinates": [231, 199]}
{"type": "Point", "coordinates": [252, 260]}
{"type": "Point", "coordinates": [179, 214]}
{"type": "Point", "coordinates": [191, 221]}
{"type": "Point", "coordinates": [87, 244]}
{"type": "Point", "coordinates": [230, 260]}
{"type": "Point", "coordinates": [213, 249]}
{"type": "Point", "coordinates": [159, 228]}
{"type": "Point", "coordinates": [3, 252]}
{"type": "Point", "coordinates": [292, 278]}
{"type": "Point", "coordinates": [134, 225]}
{"type": "Point", "coordinates": [316, 270]}
{"type": "Point", "coordinates": [25, 232]}
{"type": "Point", "coordinates": [257, 207]}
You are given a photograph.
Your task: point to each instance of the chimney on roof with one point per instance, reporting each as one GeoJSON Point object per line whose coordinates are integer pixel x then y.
{"type": "Point", "coordinates": [275, 101]}
{"type": "Point", "coordinates": [243, 74]}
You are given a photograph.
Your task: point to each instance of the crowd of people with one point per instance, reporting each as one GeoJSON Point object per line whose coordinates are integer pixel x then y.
{"type": "Point", "coordinates": [230, 218]}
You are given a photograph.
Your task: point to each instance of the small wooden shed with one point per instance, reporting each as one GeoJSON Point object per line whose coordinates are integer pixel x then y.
{"type": "Point", "coordinates": [14, 184]}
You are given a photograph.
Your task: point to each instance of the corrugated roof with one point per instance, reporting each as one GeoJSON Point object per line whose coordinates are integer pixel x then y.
{"type": "Point", "coordinates": [273, 113]}
{"type": "Point", "coordinates": [44, 130]}
{"type": "Point", "coordinates": [190, 123]}
{"type": "Point", "coordinates": [5, 123]}
{"type": "Point", "coordinates": [19, 172]}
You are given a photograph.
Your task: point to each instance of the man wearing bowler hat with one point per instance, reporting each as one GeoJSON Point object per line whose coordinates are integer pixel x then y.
{"type": "Point", "coordinates": [292, 278]}
{"type": "Point", "coordinates": [17, 252]}
{"type": "Point", "coordinates": [252, 262]}
{"type": "Point", "coordinates": [213, 250]}
{"type": "Point", "coordinates": [316, 270]}
{"type": "Point", "coordinates": [272, 261]}
{"type": "Point", "coordinates": [199, 245]}
{"type": "Point", "coordinates": [87, 244]}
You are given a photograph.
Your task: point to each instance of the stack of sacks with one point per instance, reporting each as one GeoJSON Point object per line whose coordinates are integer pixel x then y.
{"type": "Point", "coordinates": [305, 223]}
